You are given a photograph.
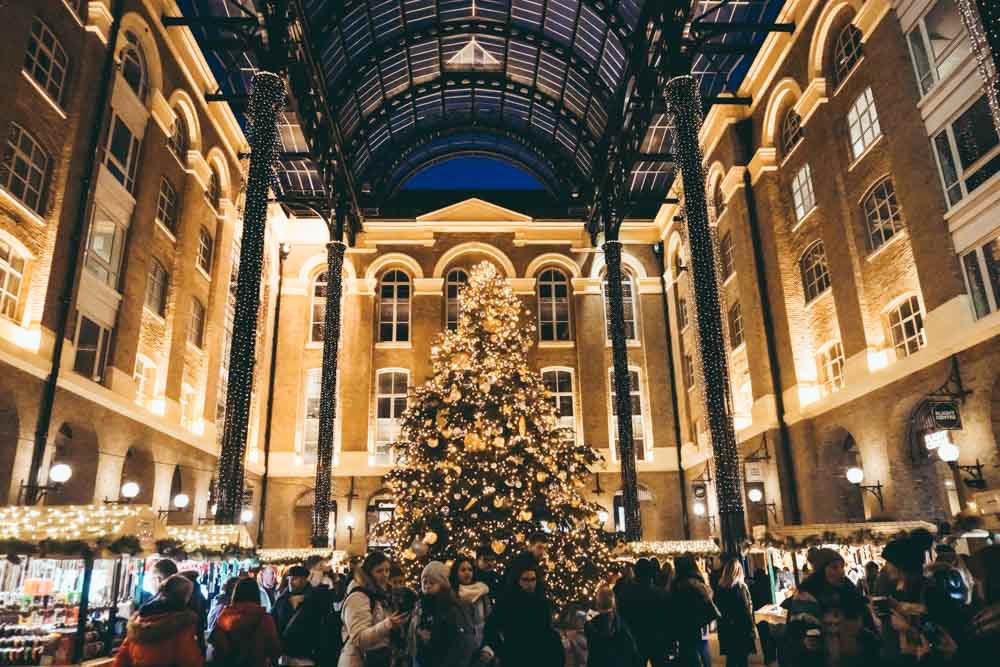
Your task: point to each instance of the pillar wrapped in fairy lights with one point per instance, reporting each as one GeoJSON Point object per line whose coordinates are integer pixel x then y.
{"type": "Point", "coordinates": [267, 98]}
{"type": "Point", "coordinates": [685, 104]}
{"type": "Point", "coordinates": [619, 355]}
{"type": "Point", "coordinates": [328, 388]}
{"type": "Point", "coordinates": [982, 22]}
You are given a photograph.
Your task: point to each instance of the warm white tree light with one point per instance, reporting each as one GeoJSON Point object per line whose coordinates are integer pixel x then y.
{"type": "Point", "coordinates": [855, 475]}
{"type": "Point", "coordinates": [129, 490]}
{"type": "Point", "coordinates": [755, 495]}
{"type": "Point", "coordinates": [181, 501]}
{"type": "Point", "coordinates": [60, 473]}
{"type": "Point", "coordinates": [948, 451]}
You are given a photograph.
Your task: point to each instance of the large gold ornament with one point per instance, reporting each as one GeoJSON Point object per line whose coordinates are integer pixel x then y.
{"type": "Point", "coordinates": [498, 547]}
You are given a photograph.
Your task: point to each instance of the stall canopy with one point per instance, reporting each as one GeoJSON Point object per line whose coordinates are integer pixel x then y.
{"type": "Point", "coordinates": [671, 548]}
{"type": "Point", "coordinates": [134, 528]}
{"type": "Point", "coordinates": [293, 556]}
{"type": "Point", "coordinates": [874, 531]}
{"type": "Point", "coordinates": [210, 537]}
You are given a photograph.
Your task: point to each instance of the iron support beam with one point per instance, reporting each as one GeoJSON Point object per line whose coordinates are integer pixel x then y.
{"type": "Point", "coordinates": [722, 28]}
{"type": "Point", "coordinates": [209, 21]}
{"type": "Point", "coordinates": [682, 95]}
{"type": "Point", "coordinates": [267, 98]}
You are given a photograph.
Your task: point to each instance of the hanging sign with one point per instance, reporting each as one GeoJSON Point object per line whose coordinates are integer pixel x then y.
{"type": "Point", "coordinates": [946, 415]}
{"type": "Point", "coordinates": [753, 471]}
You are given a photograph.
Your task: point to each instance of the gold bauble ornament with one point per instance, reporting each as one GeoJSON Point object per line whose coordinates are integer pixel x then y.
{"type": "Point", "coordinates": [542, 476]}
{"type": "Point", "coordinates": [474, 443]}
{"type": "Point", "coordinates": [409, 555]}
{"type": "Point", "coordinates": [522, 425]}
{"type": "Point", "coordinates": [498, 547]}
{"type": "Point", "coordinates": [498, 502]}
{"type": "Point", "coordinates": [491, 324]}
{"type": "Point", "coordinates": [433, 442]}
{"type": "Point", "coordinates": [455, 394]}
{"type": "Point", "coordinates": [484, 387]}
{"type": "Point", "coordinates": [431, 537]}
{"type": "Point", "coordinates": [525, 515]}
{"type": "Point", "coordinates": [472, 501]}
{"type": "Point", "coordinates": [499, 442]}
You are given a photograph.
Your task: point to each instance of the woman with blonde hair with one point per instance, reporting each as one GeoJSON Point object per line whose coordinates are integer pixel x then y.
{"type": "Point", "coordinates": [737, 633]}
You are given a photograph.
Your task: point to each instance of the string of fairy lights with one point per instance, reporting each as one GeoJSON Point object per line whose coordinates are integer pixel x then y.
{"type": "Point", "coordinates": [266, 100]}
{"type": "Point", "coordinates": [328, 392]}
{"type": "Point", "coordinates": [684, 101]}
{"type": "Point", "coordinates": [982, 22]}
{"type": "Point", "coordinates": [480, 459]}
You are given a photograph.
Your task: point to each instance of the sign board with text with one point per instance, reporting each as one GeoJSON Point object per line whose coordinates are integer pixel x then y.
{"type": "Point", "coordinates": [946, 415]}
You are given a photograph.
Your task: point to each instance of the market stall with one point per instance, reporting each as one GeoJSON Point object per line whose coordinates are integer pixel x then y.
{"type": "Point", "coordinates": [62, 578]}
{"type": "Point", "coordinates": [338, 559]}
{"type": "Point", "coordinates": [215, 552]}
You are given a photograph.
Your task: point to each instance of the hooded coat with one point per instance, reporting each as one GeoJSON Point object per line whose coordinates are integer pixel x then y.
{"type": "Point", "coordinates": [161, 635]}
{"type": "Point", "coordinates": [609, 642]}
{"type": "Point", "coordinates": [519, 631]}
{"type": "Point", "coordinates": [245, 636]}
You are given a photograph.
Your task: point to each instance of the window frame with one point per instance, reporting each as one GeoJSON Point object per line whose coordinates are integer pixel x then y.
{"type": "Point", "coordinates": [988, 274]}
{"type": "Point", "coordinates": [107, 270]}
{"type": "Point", "coordinates": [54, 84]}
{"type": "Point", "coordinates": [810, 276]}
{"type": "Point", "coordinates": [206, 250]}
{"type": "Point", "coordinates": [167, 206]}
{"type": "Point", "coordinates": [313, 379]}
{"type": "Point", "coordinates": [196, 335]}
{"type": "Point", "coordinates": [99, 350]}
{"type": "Point", "coordinates": [879, 198]}
{"type": "Point", "coordinates": [687, 370]}
{"type": "Point", "coordinates": [452, 307]}
{"type": "Point", "coordinates": [727, 256]}
{"type": "Point", "coordinates": [862, 120]}
{"type": "Point", "coordinates": [838, 70]}
{"type": "Point", "coordinates": [213, 191]}
{"type": "Point", "coordinates": [790, 132]}
{"type": "Point", "coordinates": [917, 314]}
{"type": "Point", "coordinates": [548, 306]}
{"type": "Point", "coordinates": [178, 141]}
{"type": "Point", "coordinates": [734, 317]}
{"type": "Point", "coordinates": [317, 306]}
{"type": "Point", "coordinates": [132, 45]}
{"type": "Point", "coordinates": [932, 77]}
{"type": "Point", "coordinates": [392, 397]}
{"type": "Point", "coordinates": [830, 362]}
{"type": "Point", "coordinates": [962, 174]}
{"type": "Point", "coordinates": [629, 303]}
{"type": "Point", "coordinates": [557, 395]}
{"type": "Point", "coordinates": [123, 172]}
{"type": "Point", "coordinates": [10, 298]}
{"type": "Point", "coordinates": [401, 317]}
{"type": "Point", "coordinates": [637, 434]}
{"type": "Point", "coordinates": [41, 169]}
{"type": "Point", "coordinates": [803, 192]}
{"type": "Point", "coordinates": [157, 287]}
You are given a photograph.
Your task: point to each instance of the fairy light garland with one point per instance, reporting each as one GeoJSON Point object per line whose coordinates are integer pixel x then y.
{"type": "Point", "coordinates": [328, 393]}
{"type": "Point", "coordinates": [481, 460]}
{"type": "Point", "coordinates": [267, 99]}
{"type": "Point", "coordinates": [685, 104]}
{"type": "Point", "coordinates": [982, 22]}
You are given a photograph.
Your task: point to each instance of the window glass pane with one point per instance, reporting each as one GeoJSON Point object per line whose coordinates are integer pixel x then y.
{"type": "Point", "coordinates": [948, 42]}
{"type": "Point", "coordinates": [121, 142]}
{"type": "Point", "coordinates": [977, 286]}
{"type": "Point", "coordinates": [991, 254]}
{"type": "Point", "coordinates": [921, 62]}
{"type": "Point", "coordinates": [975, 134]}
{"type": "Point", "coordinates": [949, 172]}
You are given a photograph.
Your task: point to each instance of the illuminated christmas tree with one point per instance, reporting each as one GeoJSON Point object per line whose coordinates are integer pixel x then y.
{"type": "Point", "coordinates": [480, 459]}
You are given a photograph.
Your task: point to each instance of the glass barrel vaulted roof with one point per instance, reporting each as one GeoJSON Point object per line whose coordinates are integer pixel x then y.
{"type": "Point", "coordinates": [532, 82]}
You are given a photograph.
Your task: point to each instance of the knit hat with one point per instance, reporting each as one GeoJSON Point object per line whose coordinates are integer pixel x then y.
{"type": "Point", "coordinates": [823, 557]}
{"type": "Point", "coordinates": [435, 571]}
{"type": "Point", "coordinates": [297, 571]}
{"type": "Point", "coordinates": [905, 553]}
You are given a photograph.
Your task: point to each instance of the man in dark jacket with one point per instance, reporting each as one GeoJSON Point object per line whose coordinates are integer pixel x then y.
{"type": "Point", "coordinates": [609, 641]}
{"type": "Point", "coordinates": [486, 571]}
{"type": "Point", "coordinates": [644, 608]}
{"type": "Point", "coordinates": [199, 605]}
{"type": "Point", "coordinates": [298, 616]}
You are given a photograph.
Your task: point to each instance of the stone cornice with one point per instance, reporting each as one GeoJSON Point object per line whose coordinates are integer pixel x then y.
{"type": "Point", "coordinates": [812, 98]}
{"type": "Point", "coordinates": [765, 159]}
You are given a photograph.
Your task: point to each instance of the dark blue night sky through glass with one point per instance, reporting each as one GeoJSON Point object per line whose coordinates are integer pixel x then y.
{"type": "Point", "coordinates": [473, 173]}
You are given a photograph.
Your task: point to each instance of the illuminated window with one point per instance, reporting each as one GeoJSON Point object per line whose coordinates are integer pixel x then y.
{"type": "Point", "coordinates": [122, 154]}
{"type": "Point", "coordinates": [91, 349]}
{"type": "Point", "coordinates": [628, 303]}
{"type": "Point", "coordinates": [638, 430]}
{"type": "Point", "coordinates": [105, 248]}
{"type": "Point", "coordinates": [982, 273]}
{"type": "Point", "coordinates": [46, 60]}
{"type": "Point", "coordinates": [831, 367]}
{"type": "Point", "coordinates": [882, 216]}
{"type": "Point", "coordinates": [727, 259]}
{"type": "Point", "coordinates": [559, 384]}
{"type": "Point", "coordinates": [862, 123]}
{"type": "Point", "coordinates": [133, 65]}
{"type": "Point", "coordinates": [735, 326]}
{"type": "Point", "coordinates": [177, 142]}
{"type": "Point", "coordinates": [205, 247]}
{"type": "Point", "coordinates": [310, 423]}
{"type": "Point", "coordinates": [456, 280]}
{"type": "Point", "coordinates": [553, 306]}
{"type": "Point", "coordinates": [791, 131]}
{"type": "Point", "coordinates": [394, 307]}
{"type": "Point", "coordinates": [11, 272]}
{"type": "Point", "coordinates": [906, 325]}
{"type": "Point", "coordinates": [25, 168]}
{"type": "Point", "coordinates": [317, 323]}
{"type": "Point", "coordinates": [802, 192]}
{"type": "Point", "coordinates": [390, 403]}
{"type": "Point", "coordinates": [938, 44]}
{"type": "Point", "coordinates": [214, 190]}
{"type": "Point", "coordinates": [846, 53]}
{"type": "Point", "coordinates": [196, 327]}
{"type": "Point", "coordinates": [156, 288]}
{"type": "Point", "coordinates": [166, 206]}
{"type": "Point", "coordinates": [815, 275]}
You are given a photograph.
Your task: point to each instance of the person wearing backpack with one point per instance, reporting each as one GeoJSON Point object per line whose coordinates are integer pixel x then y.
{"type": "Point", "coordinates": [299, 615]}
{"type": "Point", "coordinates": [366, 622]}
{"type": "Point", "coordinates": [245, 634]}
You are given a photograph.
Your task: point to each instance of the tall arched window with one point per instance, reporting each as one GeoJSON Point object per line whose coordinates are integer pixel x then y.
{"type": "Point", "coordinates": [815, 275]}
{"type": "Point", "coordinates": [317, 323]}
{"type": "Point", "coordinates": [456, 280]}
{"type": "Point", "coordinates": [214, 191]}
{"type": "Point", "coordinates": [718, 198]}
{"type": "Point", "coordinates": [637, 404]}
{"type": "Point", "coordinates": [390, 403]}
{"type": "Point", "coordinates": [394, 307]}
{"type": "Point", "coordinates": [791, 131]}
{"type": "Point", "coordinates": [25, 168]}
{"type": "Point", "coordinates": [133, 64]}
{"type": "Point", "coordinates": [559, 384]}
{"type": "Point", "coordinates": [846, 53]}
{"type": "Point", "coordinates": [882, 216]}
{"type": "Point", "coordinates": [11, 272]}
{"type": "Point", "coordinates": [628, 302]}
{"type": "Point", "coordinates": [46, 60]}
{"type": "Point", "coordinates": [553, 306]}
{"type": "Point", "coordinates": [178, 142]}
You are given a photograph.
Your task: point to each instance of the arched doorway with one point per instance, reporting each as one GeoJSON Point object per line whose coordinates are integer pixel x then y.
{"type": "Point", "coordinates": [381, 507]}
{"type": "Point", "coordinates": [139, 468]}
{"type": "Point", "coordinates": [302, 517]}
{"type": "Point", "coordinates": [618, 504]}
{"type": "Point", "coordinates": [77, 446]}
{"type": "Point", "coordinates": [853, 500]}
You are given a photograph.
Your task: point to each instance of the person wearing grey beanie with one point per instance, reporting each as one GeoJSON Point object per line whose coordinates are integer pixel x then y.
{"type": "Point", "coordinates": [441, 632]}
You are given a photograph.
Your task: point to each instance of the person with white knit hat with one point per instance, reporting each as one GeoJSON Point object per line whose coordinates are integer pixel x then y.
{"type": "Point", "coordinates": [441, 633]}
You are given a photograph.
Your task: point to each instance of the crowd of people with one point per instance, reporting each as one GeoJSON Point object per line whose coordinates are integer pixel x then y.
{"type": "Point", "coordinates": [926, 605]}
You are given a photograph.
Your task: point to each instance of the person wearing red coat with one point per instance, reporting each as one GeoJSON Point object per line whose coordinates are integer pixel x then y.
{"type": "Point", "coordinates": [245, 633]}
{"type": "Point", "coordinates": [163, 633]}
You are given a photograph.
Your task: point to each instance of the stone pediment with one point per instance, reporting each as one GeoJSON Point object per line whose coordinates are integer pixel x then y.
{"type": "Point", "coordinates": [472, 211]}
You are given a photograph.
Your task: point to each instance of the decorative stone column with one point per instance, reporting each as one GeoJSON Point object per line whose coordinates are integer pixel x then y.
{"type": "Point", "coordinates": [685, 104]}
{"type": "Point", "coordinates": [328, 388]}
{"type": "Point", "coordinates": [266, 100]}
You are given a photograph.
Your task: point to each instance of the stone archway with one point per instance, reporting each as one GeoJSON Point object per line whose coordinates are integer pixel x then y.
{"type": "Point", "coordinates": [139, 468]}
{"type": "Point", "coordinates": [77, 446]}
{"type": "Point", "coordinates": [845, 501]}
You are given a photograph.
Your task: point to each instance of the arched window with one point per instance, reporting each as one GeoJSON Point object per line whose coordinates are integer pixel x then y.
{"type": "Point", "coordinates": [310, 421]}
{"type": "Point", "coordinates": [214, 191]}
{"type": "Point", "coordinates": [718, 199]}
{"type": "Point", "coordinates": [390, 403]}
{"type": "Point", "coordinates": [628, 302]}
{"type": "Point", "coordinates": [559, 383]}
{"type": "Point", "coordinates": [133, 64]}
{"type": "Point", "coordinates": [205, 248]}
{"type": "Point", "coordinates": [815, 275]}
{"type": "Point", "coordinates": [157, 283]}
{"type": "Point", "coordinates": [637, 403]}
{"type": "Point", "coordinates": [11, 272]}
{"type": "Point", "coordinates": [317, 323]}
{"type": "Point", "coordinates": [882, 216]}
{"type": "Point", "coordinates": [862, 123]}
{"type": "Point", "coordinates": [906, 326]}
{"type": "Point", "coordinates": [25, 169]}
{"type": "Point", "coordinates": [553, 306]}
{"type": "Point", "coordinates": [791, 131]}
{"type": "Point", "coordinates": [846, 53]}
{"type": "Point", "coordinates": [394, 307]}
{"type": "Point", "coordinates": [178, 142]}
{"type": "Point", "coordinates": [196, 327]}
{"type": "Point", "coordinates": [456, 280]}
{"type": "Point", "coordinates": [46, 60]}
{"type": "Point", "coordinates": [380, 508]}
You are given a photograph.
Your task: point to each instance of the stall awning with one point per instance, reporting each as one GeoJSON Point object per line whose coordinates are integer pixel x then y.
{"type": "Point", "coordinates": [292, 556]}
{"type": "Point", "coordinates": [674, 548]}
{"type": "Point", "coordinates": [97, 526]}
{"type": "Point", "coordinates": [881, 529]}
{"type": "Point", "coordinates": [210, 537]}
